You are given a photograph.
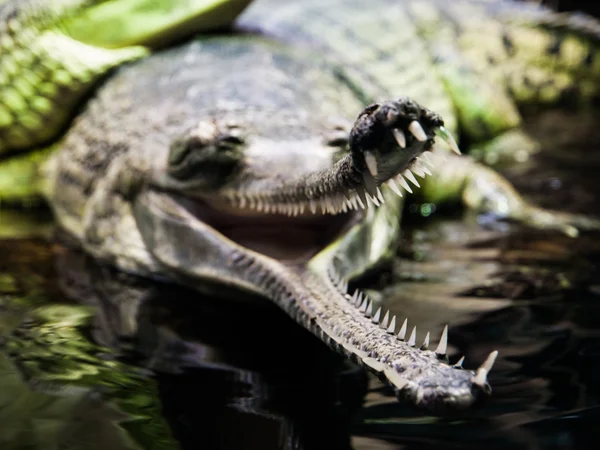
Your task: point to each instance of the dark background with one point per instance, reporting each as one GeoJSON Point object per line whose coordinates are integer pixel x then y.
{"type": "Point", "coordinates": [589, 6]}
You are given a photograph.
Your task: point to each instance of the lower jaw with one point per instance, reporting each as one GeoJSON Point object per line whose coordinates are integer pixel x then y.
{"type": "Point", "coordinates": [314, 295]}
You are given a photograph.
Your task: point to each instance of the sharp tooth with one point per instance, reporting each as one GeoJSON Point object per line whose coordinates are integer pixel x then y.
{"type": "Point", "coordinates": [402, 332]}
{"type": "Point", "coordinates": [329, 205]}
{"type": "Point", "coordinates": [408, 174]}
{"type": "Point", "coordinates": [386, 320]}
{"type": "Point", "coordinates": [460, 362]}
{"type": "Point", "coordinates": [392, 326]}
{"type": "Point", "coordinates": [377, 316]}
{"type": "Point", "coordinates": [380, 196]}
{"type": "Point", "coordinates": [442, 347]}
{"type": "Point", "coordinates": [412, 340]}
{"type": "Point", "coordinates": [420, 168]}
{"type": "Point", "coordinates": [448, 139]}
{"type": "Point", "coordinates": [424, 168]}
{"type": "Point", "coordinates": [425, 345]}
{"type": "Point", "coordinates": [321, 205]}
{"type": "Point", "coordinates": [312, 206]}
{"type": "Point", "coordinates": [369, 311]}
{"type": "Point", "coordinates": [370, 184]}
{"type": "Point", "coordinates": [371, 162]}
{"type": "Point", "coordinates": [337, 203]}
{"type": "Point", "coordinates": [417, 169]}
{"type": "Point", "coordinates": [481, 373]}
{"type": "Point", "coordinates": [363, 306]}
{"type": "Point", "coordinates": [374, 200]}
{"type": "Point", "coordinates": [400, 179]}
{"type": "Point", "coordinates": [360, 202]}
{"type": "Point", "coordinates": [489, 362]}
{"type": "Point", "coordinates": [394, 187]}
{"type": "Point", "coordinates": [354, 297]}
{"type": "Point", "coordinates": [400, 137]}
{"type": "Point", "coordinates": [360, 300]}
{"type": "Point", "coordinates": [361, 196]}
{"type": "Point", "coordinates": [417, 131]}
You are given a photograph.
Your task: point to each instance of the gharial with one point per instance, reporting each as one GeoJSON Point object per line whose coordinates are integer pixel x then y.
{"type": "Point", "coordinates": [235, 161]}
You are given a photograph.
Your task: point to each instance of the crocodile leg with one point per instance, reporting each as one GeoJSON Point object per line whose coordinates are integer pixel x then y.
{"type": "Point", "coordinates": [485, 190]}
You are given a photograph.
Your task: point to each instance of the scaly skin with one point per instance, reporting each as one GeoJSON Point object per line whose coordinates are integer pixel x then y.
{"type": "Point", "coordinates": [186, 165]}
{"type": "Point", "coordinates": [53, 52]}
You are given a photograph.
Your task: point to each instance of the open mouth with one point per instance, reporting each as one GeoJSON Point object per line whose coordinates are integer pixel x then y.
{"type": "Point", "coordinates": [294, 232]}
{"type": "Point", "coordinates": [281, 237]}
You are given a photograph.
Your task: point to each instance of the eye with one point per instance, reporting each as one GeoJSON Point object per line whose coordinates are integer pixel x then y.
{"type": "Point", "coordinates": [209, 156]}
{"type": "Point", "coordinates": [230, 139]}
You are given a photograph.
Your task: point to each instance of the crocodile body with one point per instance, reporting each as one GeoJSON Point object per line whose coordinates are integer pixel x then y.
{"type": "Point", "coordinates": [237, 163]}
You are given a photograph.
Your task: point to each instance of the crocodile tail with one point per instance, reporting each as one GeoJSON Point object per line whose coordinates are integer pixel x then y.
{"type": "Point", "coordinates": [537, 55]}
{"type": "Point", "coordinates": [53, 52]}
{"type": "Point", "coordinates": [44, 73]}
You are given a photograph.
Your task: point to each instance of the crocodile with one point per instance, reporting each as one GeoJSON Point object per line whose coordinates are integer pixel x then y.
{"type": "Point", "coordinates": [247, 161]}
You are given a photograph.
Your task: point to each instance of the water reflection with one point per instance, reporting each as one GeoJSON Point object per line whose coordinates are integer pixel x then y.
{"type": "Point", "coordinates": [124, 363]}
{"type": "Point", "coordinates": [532, 296]}
{"type": "Point", "coordinates": [92, 358]}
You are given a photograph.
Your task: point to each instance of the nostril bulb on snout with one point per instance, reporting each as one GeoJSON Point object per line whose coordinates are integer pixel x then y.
{"type": "Point", "coordinates": [392, 116]}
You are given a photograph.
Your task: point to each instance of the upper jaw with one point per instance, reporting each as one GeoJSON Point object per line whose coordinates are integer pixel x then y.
{"type": "Point", "coordinates": [269, 173]}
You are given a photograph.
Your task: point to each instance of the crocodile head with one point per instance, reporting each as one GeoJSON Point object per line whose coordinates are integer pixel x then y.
{"type": "Point", "coordinates": [254, 174]}
{"type": "Point", "coordinates": [277, 163]}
